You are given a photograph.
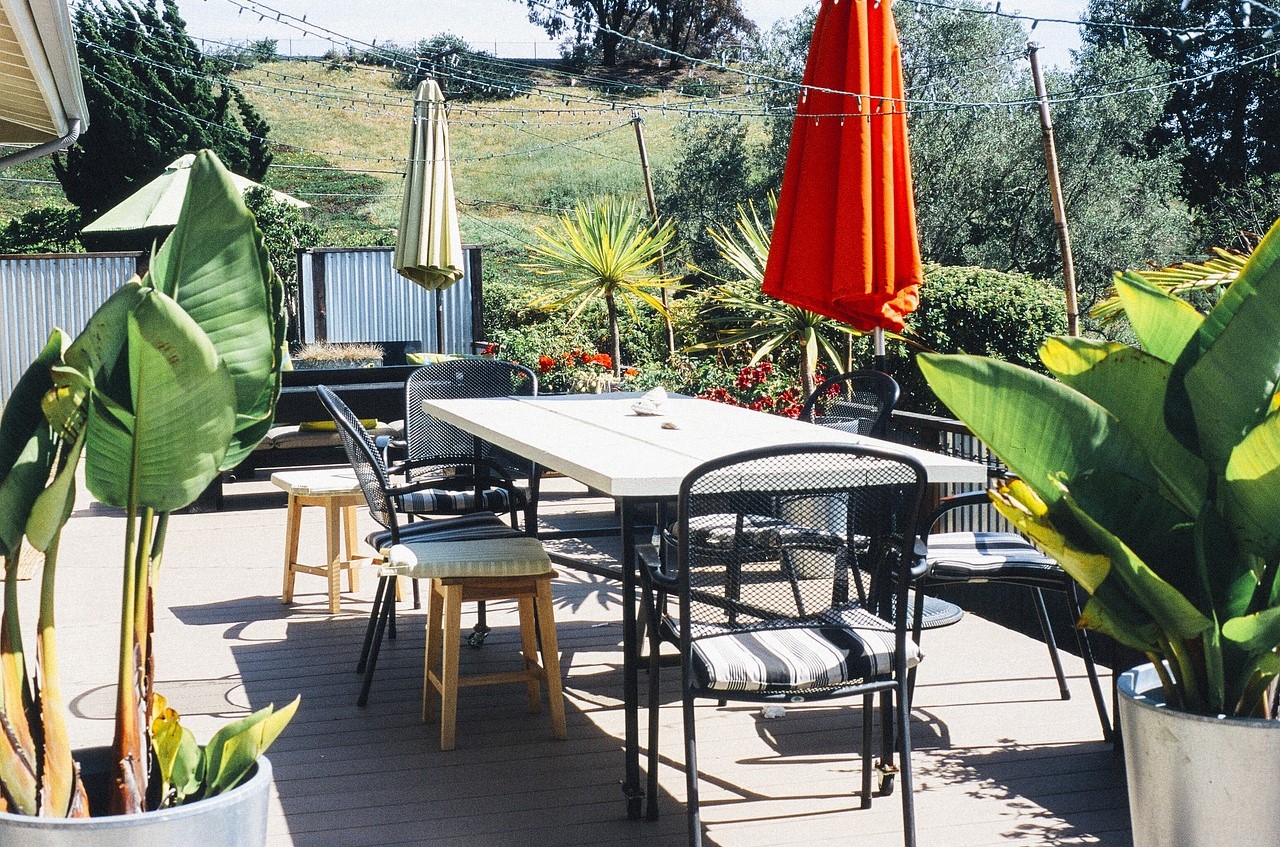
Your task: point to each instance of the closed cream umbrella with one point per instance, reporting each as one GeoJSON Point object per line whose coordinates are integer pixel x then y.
{"type": "Point", "coordinates": [429, 245]}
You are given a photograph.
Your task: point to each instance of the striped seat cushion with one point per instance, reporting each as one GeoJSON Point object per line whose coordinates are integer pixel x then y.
{"type": "Point", "coordinates": [477, 525]}
{"type": "Point", "coordinates": [485, 557]}
{"type": "Point", "coordinates": [985, 556]}
{"type": "Point", "coordinates": [758, 532]}
{"type": "Point", "coordinates": [794, 659]}
{"type": "Point", "coordinates": [445, 501]}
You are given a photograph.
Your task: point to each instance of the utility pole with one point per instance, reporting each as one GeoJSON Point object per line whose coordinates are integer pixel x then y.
{"type": "Point", "coordinates": [1055, 191]}
{"type": "Point", "coordinates": [637, 121]}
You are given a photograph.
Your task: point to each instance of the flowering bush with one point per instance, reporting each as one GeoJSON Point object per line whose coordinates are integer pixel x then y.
{"type": "Point", "coordinates": [579, 372]}
{"type": "Point", "coordinates": [763, 387]}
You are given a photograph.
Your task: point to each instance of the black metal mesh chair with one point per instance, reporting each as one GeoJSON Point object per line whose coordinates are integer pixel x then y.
{"type": "Point", "coordinates": [790, 604]}
{"type": "Point", "coordinates": [1007, 558]}
{"type": "Point", "coordinates": [860, 402]}
{"type": "Point", "coordinates": [386, 506]}
{"type": "Point", "coordinates": [442, 454]}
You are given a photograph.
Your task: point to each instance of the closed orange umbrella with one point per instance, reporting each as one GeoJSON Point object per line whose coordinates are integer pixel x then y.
{"type": "Point", "coordinates": [844, 241]}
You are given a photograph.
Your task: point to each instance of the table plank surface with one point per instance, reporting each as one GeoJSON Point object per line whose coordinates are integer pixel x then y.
{"type": "Point", "coordinates": [598, 440]}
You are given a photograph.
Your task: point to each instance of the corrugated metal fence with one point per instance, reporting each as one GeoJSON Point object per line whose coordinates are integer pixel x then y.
{"type": "Point", "coordinates": [347, 295]}
{"type": "Point", "coordinates": [356, 295]}
{"type": "Point", "coordinates": [40, 292]}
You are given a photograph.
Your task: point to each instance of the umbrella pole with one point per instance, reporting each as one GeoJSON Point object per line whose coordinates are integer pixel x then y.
{"type": "Point", "coordinates": [877, 343]}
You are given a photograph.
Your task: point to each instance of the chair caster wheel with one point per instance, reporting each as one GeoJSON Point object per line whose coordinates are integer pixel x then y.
{"type": "Point", "coordinates": [477, 637]}
{"type": "Point", "coordinates": [887, 774]}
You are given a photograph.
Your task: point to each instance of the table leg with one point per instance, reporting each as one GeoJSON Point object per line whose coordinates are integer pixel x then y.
{"type": "Point", "coordinates": [293, 526]}
{"type": "Point", "coordinates": [631, 788]}
{"type": "Point", "coordinates": [333, 552]}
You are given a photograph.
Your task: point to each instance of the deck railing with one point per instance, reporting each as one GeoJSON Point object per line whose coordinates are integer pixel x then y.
{"type": "Point", "coordinates": [953, 438]}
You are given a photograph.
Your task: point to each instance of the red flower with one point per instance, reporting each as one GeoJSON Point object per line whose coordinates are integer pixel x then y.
{"type": "Point", "coordinates": [630, 372]}
{"type": "Point", "coordinates": [545, 364]}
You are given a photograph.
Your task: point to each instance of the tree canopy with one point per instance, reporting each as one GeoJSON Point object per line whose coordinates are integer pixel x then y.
{"type": "Point", "coordinates": [152, 96]}
{"type": "Point", "coordinates": [689, 27]}
{"type": "Point", "coordinates": [1222, 125]}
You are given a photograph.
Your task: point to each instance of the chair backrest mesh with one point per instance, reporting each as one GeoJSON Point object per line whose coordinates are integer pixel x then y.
{"type": "Point", "coordinates": [795, 535]}
{"type": "Point", "coordinates": [859, 402]}
{"type": "Point", "coordinates": [426, 436]}
{"type": "Point", "coordinates": [366, 459]}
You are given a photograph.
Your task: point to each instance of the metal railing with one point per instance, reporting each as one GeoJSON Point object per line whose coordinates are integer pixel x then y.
{"type": "Point", "coordinates": [952, 438]}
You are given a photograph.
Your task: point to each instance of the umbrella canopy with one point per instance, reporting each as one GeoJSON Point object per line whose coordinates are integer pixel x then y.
{"type": "Point", "coordinates": [153, 209]}
{"type": "Point", "coordinates": [429, 245]}
{"type": "Point", "coordinates": [844, 241]}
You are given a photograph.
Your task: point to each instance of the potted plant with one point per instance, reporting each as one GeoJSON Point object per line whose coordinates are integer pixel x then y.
{"type": "Point", "coordinates": [173, 379]}
{"type": "Point", "coordinates": [1153, 476]}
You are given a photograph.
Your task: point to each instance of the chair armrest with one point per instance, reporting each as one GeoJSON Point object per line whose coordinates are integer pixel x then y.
{"type": "Point", "coordinates": [952, 502]}
{"type": "Point", "coordinates": [650, 560]}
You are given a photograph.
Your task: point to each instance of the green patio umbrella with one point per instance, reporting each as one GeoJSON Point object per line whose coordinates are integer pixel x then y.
{"type": "Point", "coordinates": [428, 245]}
{"type": "Point", "coordinates": [151, 211]}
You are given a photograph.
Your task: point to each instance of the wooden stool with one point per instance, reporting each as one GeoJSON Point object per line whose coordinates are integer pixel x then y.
{"type": "Point", "coordinates": [484, 569]}
{"type": "Point", "coordinates": [339, 493]}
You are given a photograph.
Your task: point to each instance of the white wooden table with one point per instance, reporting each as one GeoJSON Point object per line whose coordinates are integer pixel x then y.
{"type": "Point", "coordinates": [599, 441]}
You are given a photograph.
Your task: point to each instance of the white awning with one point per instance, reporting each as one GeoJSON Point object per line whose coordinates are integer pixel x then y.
{"type": "Point", "coordinates": [41, 95]}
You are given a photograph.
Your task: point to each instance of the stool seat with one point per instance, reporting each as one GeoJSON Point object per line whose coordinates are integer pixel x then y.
{"type": "Point", "coordinates": [339, 493]}
{"type": "Point", "coordinates": [482, 570]}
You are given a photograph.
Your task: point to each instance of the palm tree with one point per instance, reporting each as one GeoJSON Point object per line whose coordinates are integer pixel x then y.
{"type": "Point", "coordinates": [745, 315]}
{"type": "Point", "coordinates": [603, 250]}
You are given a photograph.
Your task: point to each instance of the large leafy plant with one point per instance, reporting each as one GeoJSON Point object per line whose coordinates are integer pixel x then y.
{"type": "Point", "coordinates": [173, 380]}
{"type": "Point", "coordinates": [1153, 476]}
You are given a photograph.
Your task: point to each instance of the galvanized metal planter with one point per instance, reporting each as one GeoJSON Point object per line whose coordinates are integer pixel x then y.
{"type": "Point", "coordinates": [237, 818]}
{"type": "Point", "coordinates": [1196, 781]}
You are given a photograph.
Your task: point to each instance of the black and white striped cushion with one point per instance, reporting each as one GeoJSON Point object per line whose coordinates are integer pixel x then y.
{"type": "Point", "coordinates": [444, 501]}
{"type": "Point", "coordinates": [793, 659]}
{"type": "Point", "coordinates": [985, 556]}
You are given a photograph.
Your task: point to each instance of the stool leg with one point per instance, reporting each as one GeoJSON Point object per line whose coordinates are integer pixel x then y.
{"type": "Point", "coordinates": [291, 529]}
{"type": "Point", "coordinates": [333, 554]}
{"type": "Point", "coordinates": [452, 643]}
{"type": "Point", "coordinates": [529, 646]}
{"type": "Point", "coordinates": [551, 660]}
{"type": "Point", "coordinates": [432, 661]}
{"type": "Point", "coordinates": [352, 545]}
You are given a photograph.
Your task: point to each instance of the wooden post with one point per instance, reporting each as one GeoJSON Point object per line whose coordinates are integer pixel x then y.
{"type": "Point", "coordinates": [637, 121]}
{"type": "Point", "coordinates": [1055, 191]}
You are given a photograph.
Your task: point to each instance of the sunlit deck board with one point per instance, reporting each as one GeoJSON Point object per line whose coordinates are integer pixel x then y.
{"type": "Point", "coordinates": [999, 758]}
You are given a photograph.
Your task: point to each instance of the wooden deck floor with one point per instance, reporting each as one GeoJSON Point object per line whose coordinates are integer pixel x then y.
{"type": "Point", "coordinates": [999, 759]}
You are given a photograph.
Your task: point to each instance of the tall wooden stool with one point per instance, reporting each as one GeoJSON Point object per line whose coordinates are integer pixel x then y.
{"type": "Point", "coordinates": [484, 569]}
{"type": "Point", "coordinates": [339, 493]}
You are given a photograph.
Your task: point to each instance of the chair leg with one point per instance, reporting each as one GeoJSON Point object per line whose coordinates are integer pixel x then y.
{"type": "Point", "coordinates": [373, 639]}
{"type": "Point", "coordinates": [1090, 666]}
{"type": "Point", "coordinates": [868, 718]}
{"type": "Point", "coordinates": [1047, 629]}
{"type": "Point", "coordinates": [529, 647]}
{"type": "Point", "coordinates": [432, 662]}
{"type": "Point", "coordinates": [481, 630]}
{"type": "Point", "coordinates": [904, 766]}
{"type": "Point", "coordinates": [452, 644]}
{"type": "Point", "coordinates": [651, 615]}
{"type": "Point", "coordinates": [692, 814]}
{"type": "Point", "coordinates": [374, 613]}
{"type": "Point", "coordinates": [551, 660]}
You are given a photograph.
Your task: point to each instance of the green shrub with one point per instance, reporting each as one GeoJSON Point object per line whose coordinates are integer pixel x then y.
{"type": "Point", "coordinates": [978, 311]}
{"type": "Point", "coordinates": [49, 229]}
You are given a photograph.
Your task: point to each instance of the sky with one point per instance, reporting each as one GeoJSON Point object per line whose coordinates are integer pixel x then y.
{"type": "Point", "coordinates": [500, 26]}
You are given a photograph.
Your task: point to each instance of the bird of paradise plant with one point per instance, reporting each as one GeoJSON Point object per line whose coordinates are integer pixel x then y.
{"type": "Point", "coordinates": [1152, 475]}
{"type": "Point", "coordinates": [173, 380]}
